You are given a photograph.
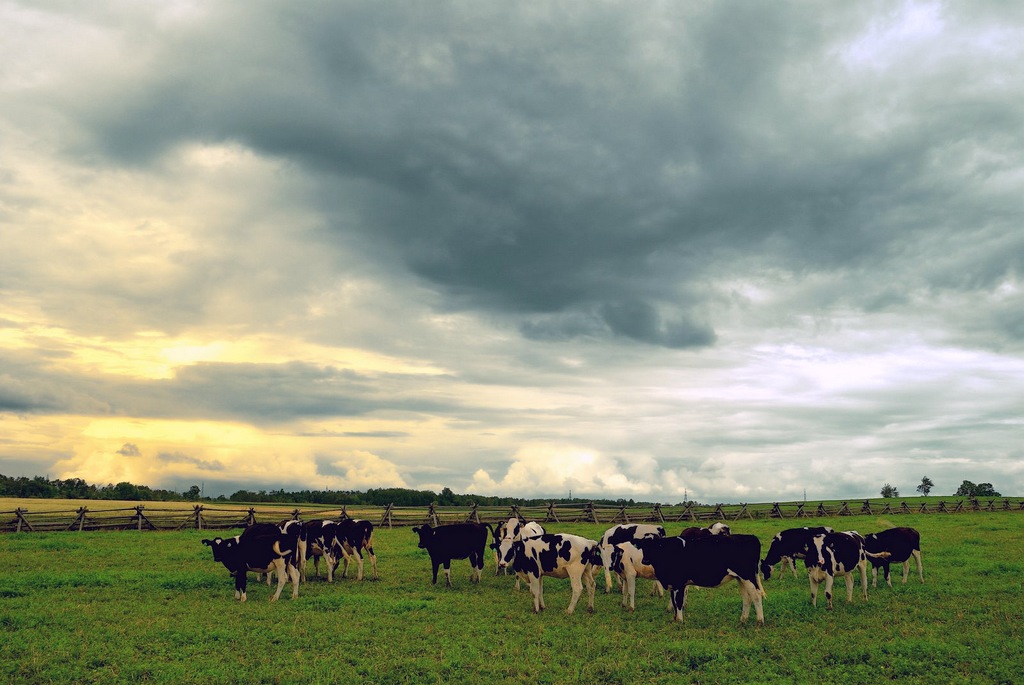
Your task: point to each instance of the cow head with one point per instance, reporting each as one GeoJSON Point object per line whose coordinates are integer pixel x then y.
{"type": "Point", "coordinates": [509, 553]}
{"type": "Point", "coordinates": [425, 533]}
{"type": "Point", "coordinates": [719, 529]}
{"type": "Point", "coordinates": [766, 569]}
{"type": "Point", "coordinates": [648, 546]}
{"type": "Point", "coordinates": [817, 548]}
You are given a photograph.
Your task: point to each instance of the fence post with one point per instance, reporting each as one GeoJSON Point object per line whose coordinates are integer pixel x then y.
{"type": "Point", "coordinates": [473, 515]}
{"type": "Point", "coordinates": [138, 517]}
{"type": "Point", "coordinates": [344, 513]}
{"type": "Point", "coordinates": [866, 507]}
{"type": "Point", "coordinates": [776, 511]}
{"type": "Point", "coordinates": [656, 513]}
{"type": "Point", "coordinates": [621, 514]}
{"type": "Point", "coordinates": [432, 516]}
{"type": "Point", "coordinates": [386, 516]}
{"type": "Point", "coordinates": [197, 513]}
{"type": "Point", "coordinates": [20, 513]}
{"type": "Point", "coordinates": [295, 515]}
{"type": "Point", "coordinates": [552, 516]}
{"type": "Point", "coordinates": [80, 520]}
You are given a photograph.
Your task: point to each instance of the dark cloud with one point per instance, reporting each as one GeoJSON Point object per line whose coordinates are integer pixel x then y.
{"type": "Point", "coordinates": [563, 199]}
{"type": "Point", "coordinates": [129, 450]}
{"type": "Point", "coordinates": [179, 458]}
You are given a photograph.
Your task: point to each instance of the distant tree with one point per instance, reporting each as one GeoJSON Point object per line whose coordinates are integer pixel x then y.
{"type": "Point", "coordinates": [192, 493]}
{"type": "Point", "coordinates": [969, 489]}
{"type": "Point", "coordinates": [890, 491]}
{"type": "Point", "coordinates": [986, 490]}
{"type": "Point", "coordinates": [966, 489]}
{"type": "Point", "coordinates": [926, 485]}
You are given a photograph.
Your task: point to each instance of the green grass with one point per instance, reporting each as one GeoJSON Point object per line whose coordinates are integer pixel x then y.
{"type": "Point", "coordinates": [154, 607]}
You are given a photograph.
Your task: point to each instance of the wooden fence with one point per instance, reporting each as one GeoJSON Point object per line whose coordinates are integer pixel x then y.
{"type": "Point", "coordinates": [203, 516]}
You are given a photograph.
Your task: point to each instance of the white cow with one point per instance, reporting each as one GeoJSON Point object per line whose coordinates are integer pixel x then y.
{"type": "Point", "coordinates": [556, 556]}
{"type": "Point", "coordinates": [624, 532]}
{"type": "Point", "coordinates": [628, 562]}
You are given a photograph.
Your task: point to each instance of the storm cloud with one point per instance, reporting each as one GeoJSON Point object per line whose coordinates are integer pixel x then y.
{"type": "Point", "coordinates": [727, 250]}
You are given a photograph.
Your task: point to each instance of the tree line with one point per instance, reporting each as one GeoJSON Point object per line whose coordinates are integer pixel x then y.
{"type": "Point", "coordinates": [76, 488]}
{"type": "Point", "coordinates": [966, 489]}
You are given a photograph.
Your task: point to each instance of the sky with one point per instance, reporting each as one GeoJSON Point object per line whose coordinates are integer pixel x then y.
{"type": "Point", "coordinates": [729, 251]}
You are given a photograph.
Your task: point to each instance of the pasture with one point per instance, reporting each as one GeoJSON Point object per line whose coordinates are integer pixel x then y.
{"type": "Point", "coordinates": [101, 607]}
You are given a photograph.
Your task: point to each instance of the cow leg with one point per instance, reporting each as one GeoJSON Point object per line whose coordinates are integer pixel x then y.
{"type": "Point", "coordinates": [359, 563]}
{"type": "Point", "coordinates": [848, 577]}
{"type": "Point", "coordinates": [591, 584]}
{"type": "Point", "coordinates": [279, 568]}
{"type": "Point", "coordinates": [293, 572]}
{"type": "Point", "coordinates": [745, 596]}
{"type": "Point", "coordinates": [608, 580]}
{"type": "Point", "coordinates": [754, 595]}
{"type": "Point", "coordinates": [241, 579]}
{"type": "Point", "coordinates": [657, 589]}
{"type": "Point", "coordinates": [864, 577]}
{"type": "Point", "coordinates": [628, 584]}
{"type": "Point", "coordinates": [345, 554]}
{"type": "Point", "coordinates": [303, 546]}
{"type": "Point", "coordinates": [448, 573]}
{"type": "Point", "coordinates": [829, 580]}
{"type": "Point", "coordinates": [678, 600]}
{"type": "Point", "coordinates": [917, 558]}
{"type": "Point", "coordinates": [812, 578]}
{"type": "Point", "coordinates": [577, 589]}
{"type": "Point", "coordinates": [792, 566]}
{"type": "Point", "coordinates": [435, 565]}
{"type": "Point", "coordinates": [373, 562]}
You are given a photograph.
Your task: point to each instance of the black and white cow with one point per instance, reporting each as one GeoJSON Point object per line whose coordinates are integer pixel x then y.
{"type": "Point", "coordinates": [836, 554]}
{"type": "Point", "coordinates": [706, 562]}
{"type": "Point", "coordinates": [263, 548]}
{"type": "Point", "coordinates": [350, 538]}
{"type": "Point", "coordinates": [788, 545]}
{"type": "Point", "coordinates": [624, 532]}
{"type": "Point", "coordinates": [316, 547]}
{"type": "Point", "coordinates": [556, 555]}
{"type": "Point", "coordinates": [627, 561]}
{"type": "Point", "coordinates": [718, 528]}
{"type": "Point", "coordinates": [510, 532]}
{"type": "Point", "coordinates": [455, 541]}
{"type": "Point", "coordinates": [901, 544]}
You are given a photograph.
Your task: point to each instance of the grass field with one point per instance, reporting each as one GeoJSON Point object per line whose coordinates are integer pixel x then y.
{"type": "Point", "coordinates": [153, 607]}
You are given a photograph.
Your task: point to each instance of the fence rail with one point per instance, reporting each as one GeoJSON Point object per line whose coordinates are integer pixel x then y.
{"type": "Point", "coordinates": [203, 517]}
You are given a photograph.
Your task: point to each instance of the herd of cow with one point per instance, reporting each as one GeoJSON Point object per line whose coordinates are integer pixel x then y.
{"type": "Point", "coordinates": [705, 557]}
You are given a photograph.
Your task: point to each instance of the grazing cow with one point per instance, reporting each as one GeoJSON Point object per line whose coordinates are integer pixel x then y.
{"type": "Point", "coordinates": [557, 555]}
{"type": "Point", "coordinates": [349, 539]}
{"type": "Point", "coordinates": [901, 544]}
{"type": "Point", "coordinates": [698, 532]}
{"type": "Point", "coordinates": [624, 532]}
{"type": "Point", "coordinates": [263, 548]}
{"type": "Point", "coordinates": [788, 545]}
{"type": "Point", "coordinates": [627, 563]}
{"type": "Point", "coordinates": [317, 547]}
{"type": "Point", "coordinates": [706, 562]}
{"type": "Point", "coordinates": [836, 554]}
{"type": "Point", "coordinates": [510, 532]}
{"type": "Point", "coordinates": [455, 541]}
